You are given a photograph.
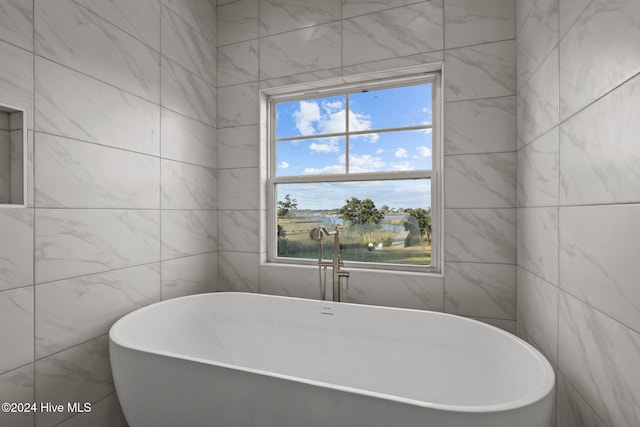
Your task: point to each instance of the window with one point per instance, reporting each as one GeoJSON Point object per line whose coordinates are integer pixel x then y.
{"type": "Point", "coordinates": [362, 159]}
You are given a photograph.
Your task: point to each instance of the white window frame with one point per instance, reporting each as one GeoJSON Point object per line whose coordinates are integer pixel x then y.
{"type": "Point", "coordinates": [400, 78]}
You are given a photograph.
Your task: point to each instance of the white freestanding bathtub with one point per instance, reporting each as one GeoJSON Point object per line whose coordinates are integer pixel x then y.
{"type": "Point", "coordinates": [249, 360]}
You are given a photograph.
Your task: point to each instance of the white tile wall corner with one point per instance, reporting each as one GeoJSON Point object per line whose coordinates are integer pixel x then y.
{"type": "Point", "coordinates": [537, 238]}
{"type": "Point", "coordinates": [239, 147]}
{"type": "Point", "coordinates": [238, 271]}
{"type": "Point", "coordinates": [189, 275]}
{"type": "Point", "coordinates": [469, 22]}
{"type": "Point", "coordinates": [238, 21]}
{"type": "Point", "coordinates": [572, 410]}
{"type": "Point", "coordinates": [188, 140]}
{"type": "Point", "coordinates": [538, 171]}
{"type": "Point", "coordinates": [239, 230]}
{"type": "Point", "coordinates": [238, 63]}
{"type": "Point", "coordinates": [237, 189]}
{"type": "Point", "coordinates": [18, 386]}
{"type": "Point", "coordinates": [188, 232]}
{"type": "Point", "coordinates": [200, 14]}
{"type": "Point", "coordinates": [281, 16]}
{"type": "Point", "coordinates": [238, 105]}
{"type": "Point", "coordinates": [187, 186]}
{"type": "Point", "coordinates": [523, 8]}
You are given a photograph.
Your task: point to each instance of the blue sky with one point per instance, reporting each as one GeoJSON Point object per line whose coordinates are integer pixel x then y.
{"type": "Point", "coordinates": [371, 152]}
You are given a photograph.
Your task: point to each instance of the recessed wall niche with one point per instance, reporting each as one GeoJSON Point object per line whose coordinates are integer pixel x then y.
{"type": "Point", "coordinates": [13, 153]}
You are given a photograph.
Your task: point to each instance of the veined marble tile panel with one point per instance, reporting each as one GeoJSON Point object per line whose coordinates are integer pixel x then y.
{"type": "Point", "coordinates": [291, 281]}
{"type": "Point", "coordinates": [301, 51]}
{"type": "Point", "coordinates": [76, 106]}
{"type": "Point", "coordinates": [538, 37]}
{"type": "Point", "coordinates": [200, 14]}
{"type": "Point", "coordinates": [75, 242]}
{"type": "Point", "coordinates": [239, 147]}
{"type": "Point", "coordinates": [480, 235]}
{"type": "Point", "coordinates": [105, 413]}
{"type": "Point", "coordinates": [16, 23]}
{"type": "Point", "coordinates": [402, 31]}
{"type": "Point", "coordinates": [188, 140]}
{"type": "Point", "coordinates": [599, 150]}
{"type": "Point", "coordinates": [238, 189]}
{"type": "Point", "coordinates": [572, 410]}
{"type": "Point", "coordinates": [188, 233]}
{"type": "Point", "coordinates": [70, 312]}
{"type": "Point", "coordinates": [188, 94]}
{"type": "Point", "coordinates": [71, 35]}
{"type": "Point", "coordinates": [537, 316]}
{"type": "Point", "coordinates": [83, 175]}
{"type": "Point", "coordinates": [570, 11]}
{"type": "Point", "coordinates": [16, 79]}
{"type": "Point", "coordinates": [16, 326]}
{"type": "Point", "coordinates": [5, 167]}
{"type": "Point", "coordinates": [189, 275]}
{"type": "Point", "coordinates": [468, 22]}
{"type": "Point", "coordinates": [78, 374]}
{"type": "Point", "coordinates": [483, 71]}
{"type": "Point", "coordinates": [598, 258]}
{"type": "Point", "coordinates": [392, 63]}
{"type": "Point", "coordinates": [481, 290]}
{"type": "Point", "coordinates": [186, 186]}
{"type": "Point", "coordinates": [538, 241]}
{"type": "Point", "coordinates": [600, 358]}
{"type": "Point", "coordinates": [311, 79]}
{"type": "Point", "coordinates": [480, 181]}
{"type": "Point", "coordinates": [605, 34]}
{"type": "Point", "coordinates": [16, 159]}
{"type": "Point", "coordinates": [239, 231]}
{"type": "Point", "coordinates": [184, 45]}
{"type": "Point", "coordinates": [238, 63]}
{"type": "Point", "coordinates": [352, 8]}
{"type": "Point", "coordinates": [480, 126]}
{"type": "Point", "coordinates": [17, 386]}
{"type": "Point", "coordinates": [16, 255]}
{"type": "Point", "coordinates": [238, 272]}
{"type": "Point", "coordinates": [523, 8]}
{"type": "Point", "coordinates": [538, 171]}
{"type": "Point", "coordinates": [538, 109]}
{"type": "Point", "coordinates": [417, 291]}
{"type": "Point", "coordinates": [279, 16]}
{"type": "Point", "coordinates": [140, 18]}
{"type": "Point", "coordinates": [239, 105]}
{"type": "Point", "coordinates": [238, 21]}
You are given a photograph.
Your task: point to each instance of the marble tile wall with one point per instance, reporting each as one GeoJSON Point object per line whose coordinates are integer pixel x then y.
{"type": "Point", "coordinates": [122, 186]}
{"type": "Point", "coordinates": [266, 43]}
{"type": "Point", "coordinates": [578, 201]}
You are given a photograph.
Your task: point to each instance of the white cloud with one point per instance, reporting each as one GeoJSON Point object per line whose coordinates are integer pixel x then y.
{"type": "Point", "coordinates": [401, 152]}
{"type": "Point", "coordinates": [284, 165]}
{"type": "Point", "coordinates": [329, 117]}
{"type": "Point", "coordinates": [424, 151]}
{"type": "Point", "coordinates": [402, 166]}
{"type": "Point", "coordinates": [365, 163]}
{"type": "Point", "coordinates": [305, 117]}
{"type": "Point", "coordinates": [379, 151]}
{"type": "Point", "coordinates": [326, 146]}
{"type": "Point", "coordinates": [323, 171]}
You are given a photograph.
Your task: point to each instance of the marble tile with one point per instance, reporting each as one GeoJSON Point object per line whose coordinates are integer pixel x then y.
{"type": "Point", "coordinates": [188, 140]}
{"type": "Point", "coordinates": [394, 289]}
{"type": "Point", "coordinates": [352, 72]}
{"type": "Point", "coordinates": [5, 167]}
{"type": "Point", "coordinates": [402, 31]}
{"type": "Point", "coordinates": [17, 386]}
{"type": "Point", "coordinates": [569, 12]}
{"type": "Point", "coordinates": [310, 79]}
{"type": "Point", "coordinates": [16, 258]}
{"type": "Point", "coordinates": [598, 258]}
{"type": "Point", "coordinates": [76, 106]}
{"type": "Point", "coordinates": [16, 79]}
{"type": "Point", "coordinates": [352, 8]}
{"type": "Point", "coordinates": [538, 102]}
{"type": "Point", "coordinates": [537, 316]}
{"type": "Point", "coordinates": [238, 189]}
{"type": "Point", "coordinates": [184, 45]}
{"type": "Point", "coordinates": [480, 290]}
{"type": "Point", "coordinates": [16, 160]}
{"type": "Point", "coordinates": [71, 312]}
{"type": "Point", "coordinates": [186, 186]}
{"type": "Point", "coordinates": [238, 63]}
{"type": "Point", "coordinates": [572, 410]}
{"type": "Point", "coordinates": [483, 71]}
{"type": "Point", "coordinates": [200, 14]}
{"type": "Point", "coordinates": [604, 34]}
{"type": "Point", "coordinates": [238, 272]}
{"type": "Point", "coordinates": [480, 235]}
{"type": "Point", "coordinates": [523, 9]}
{"type": "Point", "coordinates": [73, 36]}
{"type": "Point", "coordinates": [75, 242]}
{"type": "Point", "coordinates": [140, 18]}
{"type": "Point", "coordinates": [538, 241]}
{"type": "Point", "coordinates": [238, 21]}
{"type": "Point", "coordinates": [16, 23]}
{"type": "Point", "coordinates": [16, 325]}
{"type": "Point", "coordinates": [480, 126]}
{"type": "Point", "coordinates": [301, 51]}
{"type": "Point", "coordinates": [188, 233]}
{"type": "Point", "coordinates": [79, 374]}
{"type": "Point", "coordinates": [538, 171]}
{"type": "Point", "coordinates": [239, 231]}
{"type": "Point", "coordinates": [239, 147]}
{"type": "Point", "coordinates": [468, 22]}
{"type": "Point", "coordinates": [105, 413]}
{"type": "Point", "coordinates": [279, 16]}
{"type": "Point", "coordinates": [480, 181]}
{"type": "Point", "coordinates": [83, 175]}
{"type": "Point", "coordinates": [536, 40]}
{"type": "Point", "coordinates": [189, 275]}
{"type": "Point", "coordinates": [600, 358]}
{"type": "Point", "coordinates": [188, 94]}
{"type": "Point", "coordinates": [599, 150]}
{"type": "Point", "coordinates": [291, 280]}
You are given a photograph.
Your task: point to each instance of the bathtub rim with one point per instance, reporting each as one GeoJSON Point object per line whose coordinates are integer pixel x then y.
{"type": "Point", "coordinates": [535, 396]}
